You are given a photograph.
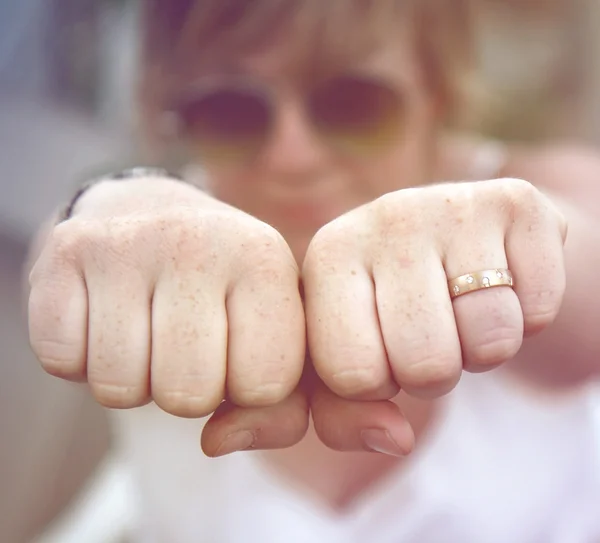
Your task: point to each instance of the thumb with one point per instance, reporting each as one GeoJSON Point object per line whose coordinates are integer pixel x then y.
{"type": "Point", "coordinates": [232, 428]}
{"type": "Point", "coordinates": [349, 425]}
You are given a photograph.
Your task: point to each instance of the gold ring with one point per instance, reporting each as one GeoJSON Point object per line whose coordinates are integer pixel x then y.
{"type": "Point", "coordinates": [500, 277]}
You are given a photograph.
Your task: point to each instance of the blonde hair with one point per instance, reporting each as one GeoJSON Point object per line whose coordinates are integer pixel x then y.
{"type": "Point", "coordinates": [180, 32]}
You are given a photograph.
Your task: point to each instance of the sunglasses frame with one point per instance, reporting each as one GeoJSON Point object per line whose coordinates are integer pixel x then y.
{"type": "Point", "coordinates": [211, 85]}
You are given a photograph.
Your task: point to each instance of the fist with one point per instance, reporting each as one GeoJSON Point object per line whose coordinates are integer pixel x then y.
{"type": "Point", "coordinates": [380, 313]}
{"type": "Point", "coordinates": [182, 305]}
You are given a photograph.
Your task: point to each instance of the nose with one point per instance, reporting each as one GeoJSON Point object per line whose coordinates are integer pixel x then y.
{"type": "Point", "coordinates": [294, 149]}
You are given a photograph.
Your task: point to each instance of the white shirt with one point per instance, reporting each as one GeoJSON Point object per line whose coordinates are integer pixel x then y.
{"type": "Point", "coordinates": [500, 466]}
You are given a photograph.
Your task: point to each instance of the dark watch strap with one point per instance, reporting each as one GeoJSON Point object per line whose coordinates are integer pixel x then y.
{"type": "Point", "coordinates": [123, 175]}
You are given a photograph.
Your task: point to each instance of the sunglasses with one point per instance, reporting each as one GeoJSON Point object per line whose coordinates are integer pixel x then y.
{"type": "Point", "coordinates": [232, 122]}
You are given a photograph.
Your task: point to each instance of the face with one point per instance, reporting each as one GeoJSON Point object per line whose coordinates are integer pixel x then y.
{"type": "Point", "coordinates": [304, 150]}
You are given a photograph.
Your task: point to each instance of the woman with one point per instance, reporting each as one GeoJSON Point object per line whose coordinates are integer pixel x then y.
{"type": "Point", "coordinates": [321, 128]}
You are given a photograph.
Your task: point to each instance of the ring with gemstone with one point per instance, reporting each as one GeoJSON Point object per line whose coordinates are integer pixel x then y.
{"type": "Point", "coordinates": [481, 280]}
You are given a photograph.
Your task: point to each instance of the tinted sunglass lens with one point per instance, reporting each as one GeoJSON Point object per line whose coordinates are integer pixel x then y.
{"type": "Point", "coordinates": [358, 113]}
{"type": "Point", "coordinates": [226, 123]}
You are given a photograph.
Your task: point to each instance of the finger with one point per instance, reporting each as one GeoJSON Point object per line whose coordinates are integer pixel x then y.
{"type": "Point", "coordinates": [58, 319]}
{"type": "Point", "coordinates": [348, 425]}
{"type": "Point", "coordinates": [535, 249]}
{"type": "Point", "coordinates": [267, 337]}
{"type": "Point", "coordinates": [233, 428]}
{"type": "Point", "coordinates": [417, 321]}
{"type": "Point", "coordinates": [189, 343]}
{"type": "Point", "coordinates": [343, 327]}
{"type": "Point", "coordinates": [119, 337]}
{"type": "Point", "coordinates": [489, 321]}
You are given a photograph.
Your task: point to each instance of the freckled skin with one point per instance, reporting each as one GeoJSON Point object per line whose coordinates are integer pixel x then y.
{"type": "Point", "coordinates": [220, 306]}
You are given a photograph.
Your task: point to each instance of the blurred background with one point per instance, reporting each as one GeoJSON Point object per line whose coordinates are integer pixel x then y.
{"type": "Point", "coordinates": [67, 69]}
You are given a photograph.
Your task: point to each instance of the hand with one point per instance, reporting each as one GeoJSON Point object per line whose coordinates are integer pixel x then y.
{"type": "Point", "coordinates": [378, 307]}
{"type": "Point", "coordinates": [154, 291]}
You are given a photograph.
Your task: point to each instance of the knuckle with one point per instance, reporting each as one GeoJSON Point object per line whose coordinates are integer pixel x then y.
{"type": "Point", "coordinates": [63, 369]}
{"type": "Point", "coordinates": [260, 380]}
{"type": "Point", "coordinates": [494, 351]}
{"type": "Point", "coordinates": [203, 241]}
{"type": "Point", "coordinates": [328, 246]}
{"type": "Point", "coordinates": [186, 404]}
{"type": "Point", "coordinates": [261, 395]}
{"type": "Point", "coordinates": [540, 315]}
{"type": "Point", "coordinates": [438, 372]}
{"type": "Point", "coordinates": [541, 304]}
{"type": "Point", "coordinates": [519, 187]}
{"type": "Point", "coordinates": [387, 207]}
{"type": "Point", "coordinates": [358, 382]}
{"type": "Point", "coordinates": [266, 254]}
{"type": "Point", "coordinates": [391, 207]}
{"type": "Point", "coordinates": [326, 239]}
{"type": "Point", "coordinates": [401, 221]}
{"type": "Point", "coordinates": [264, 236]}
{"type": "Point", "coordinates": [57, 358]}
{"type": "Point", "coordinates": [118, 396]}
{"type": "Point", "coordinates": [389, 214]}
{"type": "Point", "coordinates": [102, 242]}
{"type": "Point", "coordinates": [520, 194]}
{"type": "Point", "coordinates": [182, 235]}
{"type": "Point", "coordinates": [70, 238]}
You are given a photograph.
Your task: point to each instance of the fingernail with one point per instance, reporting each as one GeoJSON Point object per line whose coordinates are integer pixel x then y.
{"type": "Point", "coordinates": [380, 441]}
{"type": "Point", "coordinates": [238, 441]}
